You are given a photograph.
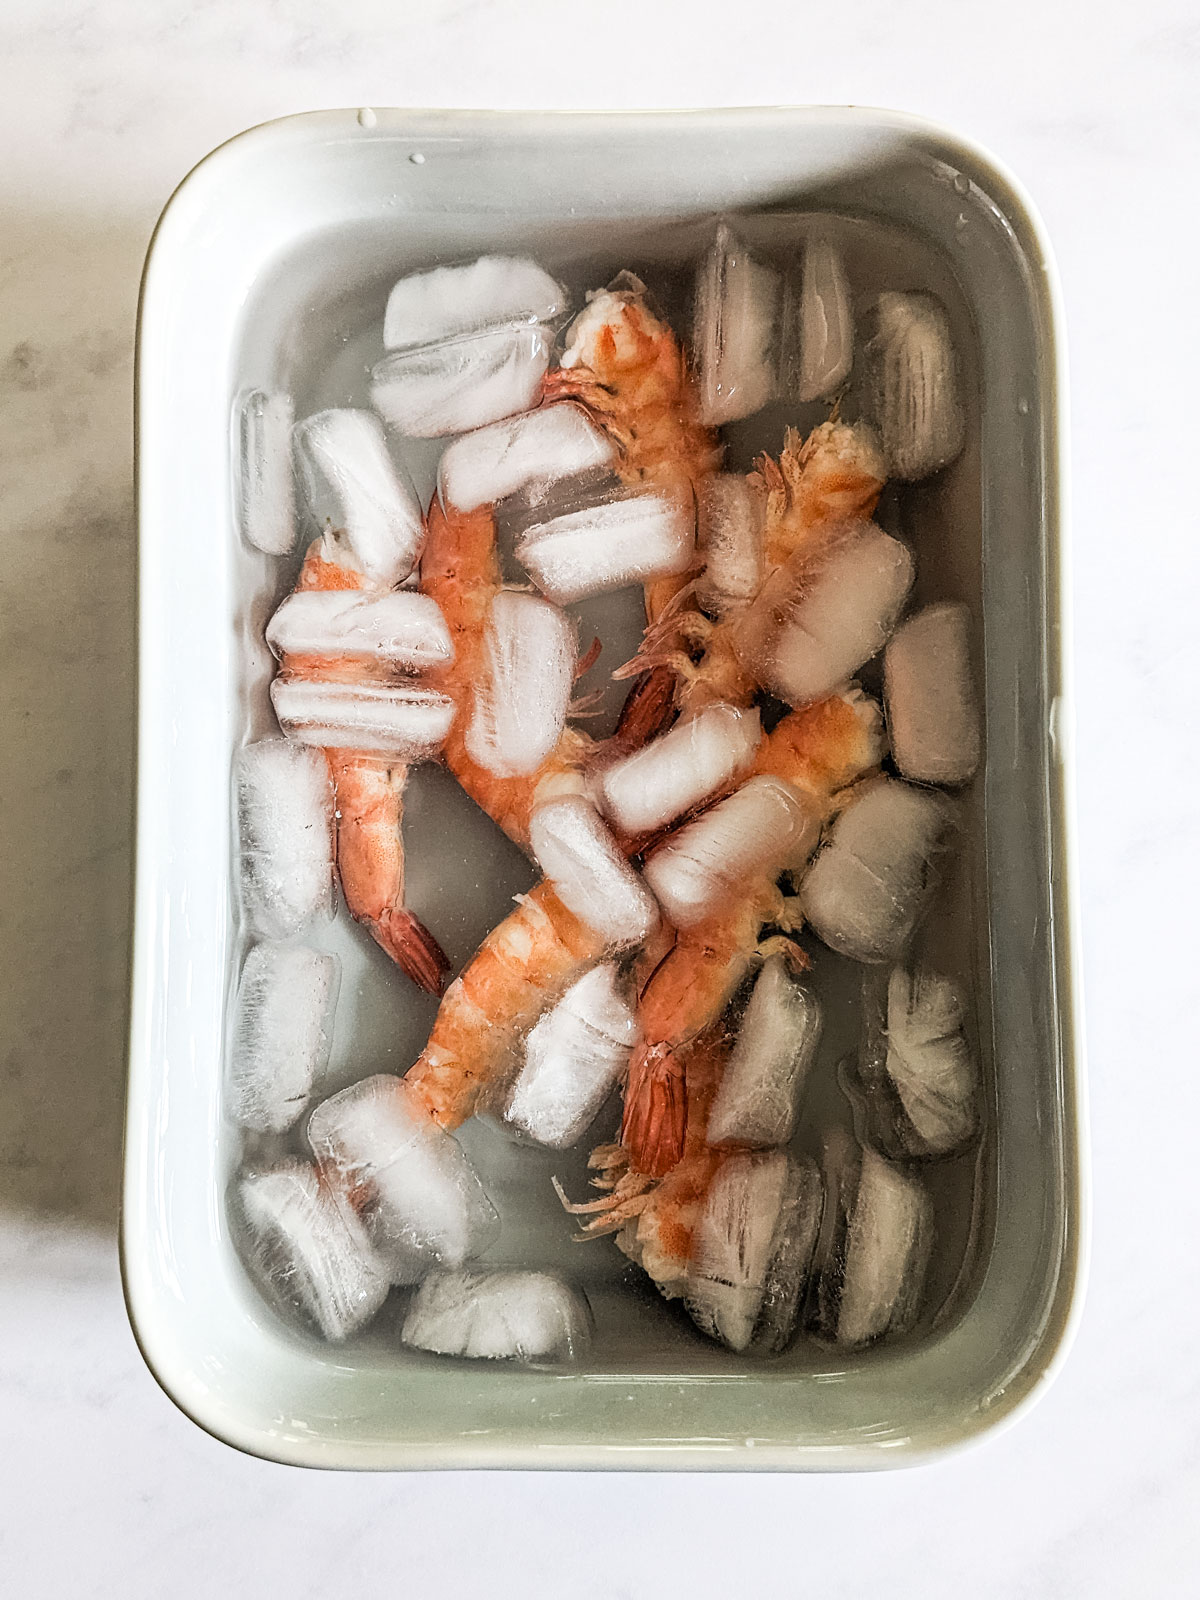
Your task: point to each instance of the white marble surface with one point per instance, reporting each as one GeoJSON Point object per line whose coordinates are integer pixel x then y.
{"type": "Point", "coordinates": [104, 1488]}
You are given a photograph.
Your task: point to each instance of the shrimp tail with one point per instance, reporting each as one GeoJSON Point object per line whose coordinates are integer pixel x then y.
{"type": "Point", "coordinates": [412, 947]}
{"type": "Point", "coordinates": [655, 1121]}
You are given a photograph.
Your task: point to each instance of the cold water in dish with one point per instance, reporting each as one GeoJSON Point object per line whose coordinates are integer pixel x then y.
{"type": "Point", "coordinates": [608, 837]}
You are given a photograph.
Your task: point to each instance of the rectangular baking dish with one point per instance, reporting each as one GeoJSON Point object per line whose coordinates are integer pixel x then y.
{"type": "Point", "coordinates": [283, 221]}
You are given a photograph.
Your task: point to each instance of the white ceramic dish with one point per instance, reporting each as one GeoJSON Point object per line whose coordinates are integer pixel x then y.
{"type": "Point", "coordinates": [315, 212]}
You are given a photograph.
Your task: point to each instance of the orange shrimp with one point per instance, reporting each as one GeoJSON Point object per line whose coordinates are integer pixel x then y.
{"type": "Point", "coordinates": [654, 1218]}
{"type": "Point", "coordinates": [819, 750]}
{"type": "Point", "coordinates": [461, 571]}
{"type": "Point", "coordinates": [523, 966]}
{"type": "Point", "coordinates": [369, 808]}
{"type": "Point", "coordinates": [625, 366]}
{"type": "Point", "coordinates": [835, 475]}
{"type": "Point", "coordinates": [624, 363]}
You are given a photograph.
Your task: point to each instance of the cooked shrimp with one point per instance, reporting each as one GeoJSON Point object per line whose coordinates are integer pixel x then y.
{"type": "Point", "coordinates": [625, 367]}
{"type": "Point", "coordinates": [819, 750]}
{"type": "Point", "coordinates": [818, 483]}
{"type": "Point", "coordinates": [520, 970]}
{"type": "Point", "coordinates": [461, 571]}
{"type": "Point", "coordinates": [369, 806]}
{"type": "Point", "coordinates": [654, 1218]}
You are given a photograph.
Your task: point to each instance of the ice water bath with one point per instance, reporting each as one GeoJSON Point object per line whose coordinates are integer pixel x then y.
{"type": "Point", "coordinates": [803, 1163]}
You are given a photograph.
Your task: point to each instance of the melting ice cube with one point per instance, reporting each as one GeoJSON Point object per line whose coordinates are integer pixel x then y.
{"type": "Point", "coordinates": [524, 684]}
{"type": "Point", "coordinates": [590, 874]}
{"type": "Point", "coordinates": [574, 1057]}
{"type": "Point", "coordinates": [403, 720]}
{"type": "Point", "coordinates": [452, 388]}
{"type": "Point", "coordinates": [916, 1080]}
{"type": "Point", "coordinates": [498, 1315]}
{"type": "Point", "coordinates": [888, 1246]}
{"type": "Point", "coordinates": [930, 698]}
{"type": "Point", "coordinates": [751, 1249]}
{"type": "Point", "coordinates": [355, 490]}
{"type": "Point", "coordinates": [736, 331]}
{"type": "Point", "coordinates": [814, 624]}
{"type": "Point", "coordinates": [528, 452]}
{"type": "Point", "coordinates": [760, 1091]}
{"type": "Point", "coordinates": [407, 1177]}
{"type": "Point", "coordinates": [404, 629]}
{"type": "Point", "coordinates": [871, 878]}
{"type": "Point", "coordinates": [729, 536]}
{"type": "Point", "coordinates": [263, 471]}
{"type": "Point", "coordinates": [285, 832]}
{"type": "Point", "coordinates": [309, 1250]}
{"type": "Point", "coordinates": [819, 333]}
{"type": "Point", "coordinates": [915, 384]}
{"type": "Point", "coordinates": [629, 538]}
{"type": "Point", "coordinates": [761, 828]}
{"type": "Point", "coordinates": [452, 302]}
{"type": "Point", "coordinates": [678, 771]}
{"type": "Point", "coordinates": [282, 1031]}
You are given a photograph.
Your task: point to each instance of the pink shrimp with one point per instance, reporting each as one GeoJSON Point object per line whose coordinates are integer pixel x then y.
{"type": "Point", "coordinates": [521, 968]}
{"type": "Point", "coordinates": [369, 793]}
{"type": "Point", "coordinates": [625, 366]}
{"type": "Point", "coordinates": [835, 475]}
{"type": "Point", "coordinates": [818, 750]}
{"type": "Point", "coordinates": [654, 1218]}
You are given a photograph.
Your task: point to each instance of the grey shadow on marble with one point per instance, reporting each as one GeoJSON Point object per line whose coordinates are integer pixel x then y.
{"type": "Point", "coordinates": [67, 657]}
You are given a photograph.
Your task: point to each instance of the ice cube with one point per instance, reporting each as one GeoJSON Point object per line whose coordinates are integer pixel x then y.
{"type": "Point", "coordinates": [285, 832]}
{"type": "Point", "coordinates": [451, 302]}
{"type": "Point", "coordinates": [309, 1250]}
{"type": "Point", "coordinates": [574, 1057]}
{"type": "Point", "coordinates": [524, 684]}
{"type": "Point", "coordinates": [522, 453]}
{"type": "Point", "coordinates": [761, 828]}
{"type": "Point", "coordinates": [404, 629]}
{"type": "Point", "coordinates": [751, 1249]}
{"type": "Point", "coordinates": [401, 719]}
{"type": "Point", "coordinates": [930, 1062]}
{"type": "Point", "coordinates": [916, 1081]}
{"type": "Point", "coordinates": [788, 1272]}
{"type": "Point", "coordinates": [282, 1031]}
{"type": "Point", "coordinates": [355, 491]}
{"type": "Point", "coordinates": [760, 1091]}
{"type": "Point", "coordinates": [819, 333]}
{"type": "Point", "coordinates": [679, 770]}
{"type": "Point", "coordinates": [452, 388]}
{"type": "Point", "coordinates": [408, 1179]}
{"type": "Point", "coordinates": [871, 878]}
{"type": "Point", "coordinates": [887, 1253]}
{"type": "Point", "coordinates": [736, 331]}
{"type": "Point", "coordinates": [930, 697]}
{"type": "Point", "coordinates": [590, 874]}
{"type": "Point", "coordinates": [498, 1315]}
{"type": "Point", "coordinates": [629, 538]}
{"type": "Point", "coordinates": [841, 1160]}
{"type": "Point", "coordinates": [814, 624]}
{"type": "Point", "coordinates": [914, 379]}
{"type": "Point", "coordinates": [263, 471]}
{"type": "Point", "coordinates": [729, 535]}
